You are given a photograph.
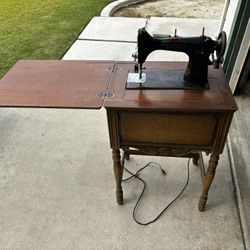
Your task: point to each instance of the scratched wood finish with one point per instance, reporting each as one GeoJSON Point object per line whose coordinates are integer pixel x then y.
{"type": "Point", "coordinates": [55, 84]}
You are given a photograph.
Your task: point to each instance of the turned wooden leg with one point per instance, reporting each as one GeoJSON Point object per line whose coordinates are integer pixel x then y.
{"type": "Point", "coordinates": [126, 154]}
{"type": "Point", "coordinates": [118, 175]}
{"type": "Point", "coordinates": [195, 161]}
{"type": "Point", "coordinates": [208, 180]}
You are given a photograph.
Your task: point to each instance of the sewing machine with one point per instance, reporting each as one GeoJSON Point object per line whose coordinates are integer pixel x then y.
{"type": "Point", "coordinates": [199, 49]}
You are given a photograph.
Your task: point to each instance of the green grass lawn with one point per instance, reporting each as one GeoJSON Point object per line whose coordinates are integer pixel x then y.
{"type": "Point", "coordinates": [42, 29]}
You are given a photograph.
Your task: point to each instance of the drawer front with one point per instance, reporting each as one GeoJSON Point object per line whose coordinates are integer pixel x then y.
{"type": "Point", "coordinates": [185, 129]}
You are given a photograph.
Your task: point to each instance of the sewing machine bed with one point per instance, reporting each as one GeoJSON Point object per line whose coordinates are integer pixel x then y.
{"type": "Point", "coordinates": [161, 79]}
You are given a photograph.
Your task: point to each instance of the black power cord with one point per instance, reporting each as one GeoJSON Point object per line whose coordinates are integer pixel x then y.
{"type": "Point", "coordinates": [144, 188]}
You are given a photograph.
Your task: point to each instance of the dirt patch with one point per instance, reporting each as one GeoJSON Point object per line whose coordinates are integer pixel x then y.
{"type": "Point", "coordinates": [169, 8]}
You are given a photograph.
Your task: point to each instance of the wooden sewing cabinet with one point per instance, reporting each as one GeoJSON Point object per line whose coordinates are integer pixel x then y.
{"type": "Point", "coordinates": [175, 123]}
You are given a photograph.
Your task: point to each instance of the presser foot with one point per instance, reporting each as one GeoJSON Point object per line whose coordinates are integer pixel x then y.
{"type": "Point", "coordinates": [136, 79]}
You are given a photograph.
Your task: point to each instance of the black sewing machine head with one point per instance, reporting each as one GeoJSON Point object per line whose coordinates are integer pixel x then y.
{"type": "Point", "coordinates": [199, 49]}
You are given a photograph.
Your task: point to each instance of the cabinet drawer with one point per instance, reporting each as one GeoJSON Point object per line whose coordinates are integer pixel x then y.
{"type": "Point", "coordinates": [185, 129]}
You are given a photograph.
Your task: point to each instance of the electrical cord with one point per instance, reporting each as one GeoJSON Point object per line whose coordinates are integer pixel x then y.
{"type": "Point", "coordinates": [144, 188]}
{"type": "Point", "coordinates": [138, 171]}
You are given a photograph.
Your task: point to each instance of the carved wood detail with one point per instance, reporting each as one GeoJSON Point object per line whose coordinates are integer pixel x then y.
{"type": "Point", "coordinates": [175, 152]}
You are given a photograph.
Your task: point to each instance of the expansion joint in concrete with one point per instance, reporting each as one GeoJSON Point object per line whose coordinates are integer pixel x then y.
{"type": "Point", "coordinates": [106, 40]}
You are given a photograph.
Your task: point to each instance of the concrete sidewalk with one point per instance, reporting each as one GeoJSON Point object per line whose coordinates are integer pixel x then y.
{"type": "Point", "coordinates": [56, 178]}
{"type": "Point", "coordinates": [114, 38]}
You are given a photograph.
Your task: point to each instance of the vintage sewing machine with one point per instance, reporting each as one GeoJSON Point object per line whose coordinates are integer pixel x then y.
{"type": "Point", "coordinates": [199, 49]}
{"type": "Point", "coordinates": [141, 121]}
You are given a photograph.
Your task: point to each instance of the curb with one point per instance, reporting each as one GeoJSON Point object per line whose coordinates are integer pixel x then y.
{"type": "Point", "coordinates": [114, 6]}
{"type": "Point", "coordinates": [241, 213]}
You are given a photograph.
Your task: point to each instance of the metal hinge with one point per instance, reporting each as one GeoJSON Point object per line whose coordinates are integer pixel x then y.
{"type": "Point", "coordinates": [104, 94]}
{"type": "Point", "coordinates": [113, 68]}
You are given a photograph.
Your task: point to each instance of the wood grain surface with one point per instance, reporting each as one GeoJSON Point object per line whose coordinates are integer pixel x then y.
{"type": "Point", "coordinates": [55, 84]}
{"type": "Point", "coordinates": [218, 97]}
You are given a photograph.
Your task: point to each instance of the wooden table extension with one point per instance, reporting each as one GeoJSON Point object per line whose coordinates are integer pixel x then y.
{"type": "Point", "coordinates": [175, 123]}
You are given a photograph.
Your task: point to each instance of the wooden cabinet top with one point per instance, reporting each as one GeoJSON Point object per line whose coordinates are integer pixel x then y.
{"type": "Point", "coordinates": [55, 84]}
{"type": "Point", "coordinates": [80, 84]}
{"type": "Point", "coordinates": [217, 98]}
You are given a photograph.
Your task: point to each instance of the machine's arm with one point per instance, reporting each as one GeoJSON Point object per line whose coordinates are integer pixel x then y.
{"type": "Point", "coordinates": [197, 48]}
